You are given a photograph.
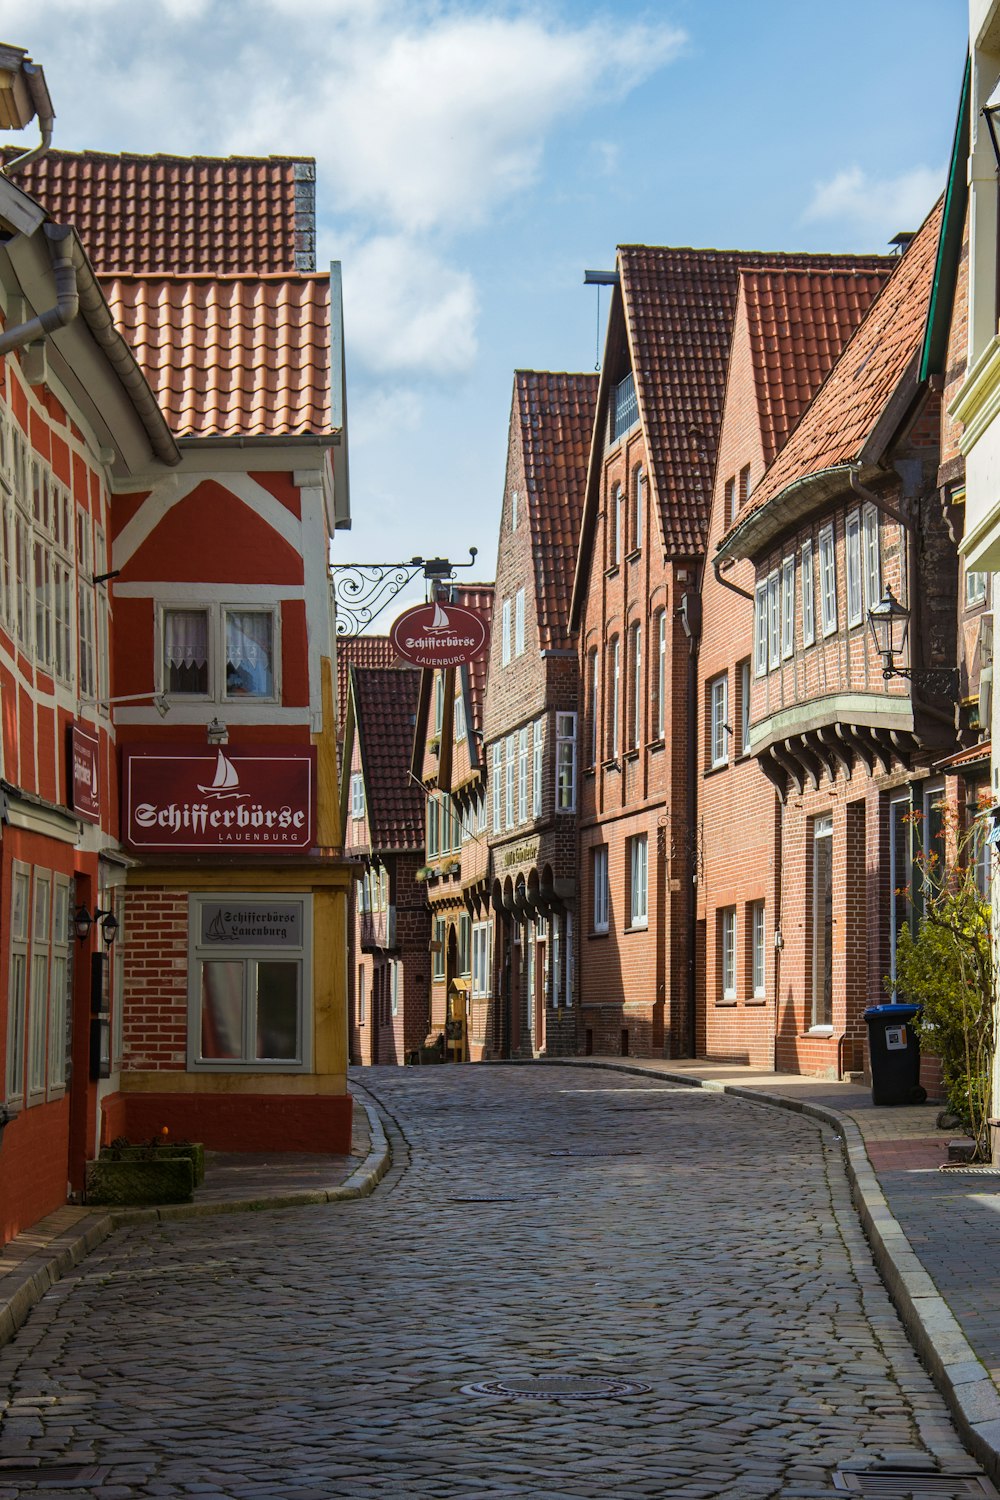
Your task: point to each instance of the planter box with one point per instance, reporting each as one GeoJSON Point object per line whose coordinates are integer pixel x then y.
{"type": "Point", "coordinates": [116, 1183]}
{"type": "Point", "coordinates": [193, 1151]}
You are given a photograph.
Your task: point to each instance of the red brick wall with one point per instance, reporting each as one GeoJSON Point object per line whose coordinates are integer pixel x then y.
{"type": "Point", "coordinates": [156, 979]}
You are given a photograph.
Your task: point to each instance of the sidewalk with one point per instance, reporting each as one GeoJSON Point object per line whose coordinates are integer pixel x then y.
{"type": "Point", "coordinates": [234, 1183]}
{"type": "Point", "coordinates": [935, 1235]}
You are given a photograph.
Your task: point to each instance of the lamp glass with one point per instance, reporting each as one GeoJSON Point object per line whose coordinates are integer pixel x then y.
{"type": "Point", "coordinates": [890, 623]}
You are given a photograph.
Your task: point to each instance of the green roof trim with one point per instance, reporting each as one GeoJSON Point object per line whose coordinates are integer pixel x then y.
{"type": "Point", "coordinates": [935, 350]}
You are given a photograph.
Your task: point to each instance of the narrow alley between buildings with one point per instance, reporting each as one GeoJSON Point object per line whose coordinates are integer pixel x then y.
{"type": "Point", "coordinates": [548, 1228]}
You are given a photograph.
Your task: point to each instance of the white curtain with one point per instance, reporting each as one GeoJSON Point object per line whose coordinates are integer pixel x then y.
{"type": "Point", "coordinates": [248, 653]}
{"type": "Point", "coordinates": [185, 638]}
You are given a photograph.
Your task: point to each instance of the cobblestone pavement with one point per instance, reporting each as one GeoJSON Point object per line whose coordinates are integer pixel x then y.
{"type": "Point", "coordinates": [700, 1244]}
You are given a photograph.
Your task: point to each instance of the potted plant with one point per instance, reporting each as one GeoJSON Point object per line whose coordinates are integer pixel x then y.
{"type": "Point", "coordinates": [160, 1170]}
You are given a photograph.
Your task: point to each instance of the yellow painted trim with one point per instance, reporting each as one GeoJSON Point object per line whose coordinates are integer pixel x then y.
{"type": "Point", "coordinates": [329, 834]}
{"type": "Point", "coordinates": [330, 914]}
{"type": "Point", "coordinates": [176, 1081]}
{"type": "Point", "coordinates": [319, 876]}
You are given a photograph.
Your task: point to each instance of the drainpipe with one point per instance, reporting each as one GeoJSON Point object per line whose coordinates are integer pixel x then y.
{"type": "Point", "coordinates": [690, 616]}
{"type": "Point", "coordinates": [67, 305]}
{"type": "Point", "coordinates": [35, 80]}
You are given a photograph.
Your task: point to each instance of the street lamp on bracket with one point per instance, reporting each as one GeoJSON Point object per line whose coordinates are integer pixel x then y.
{"type": "Point", "coordinates": [363, 590]}
{"type": "Point", "coordinates": [890, 625]}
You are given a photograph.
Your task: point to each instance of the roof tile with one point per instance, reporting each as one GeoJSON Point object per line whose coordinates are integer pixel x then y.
{"type": "Point", "coordinates": [386, 703]}
{"type": "Point", "coordinates": [373, 651]}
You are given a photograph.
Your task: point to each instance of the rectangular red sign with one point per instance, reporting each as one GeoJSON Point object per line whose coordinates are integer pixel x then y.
{"type": "Point", "coordinates": [84, 773]}
{"type": "Point", "coordinates": [254, 801]}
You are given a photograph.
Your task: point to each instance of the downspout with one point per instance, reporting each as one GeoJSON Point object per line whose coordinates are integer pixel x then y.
{"type": "Point", "coordinates": [690, 613]}
{"type": "Point", "coordinates": [67, 305]}
{"type": "Point", "coordinates": [734, 588]}
{"type": "Point", "coordinates": [35, 79]}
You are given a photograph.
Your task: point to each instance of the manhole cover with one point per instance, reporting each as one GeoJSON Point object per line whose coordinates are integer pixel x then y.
{"type": "Point", "coordinates": [900, 1482]}
{"type": "Point", "coordinates": [556, 1388]}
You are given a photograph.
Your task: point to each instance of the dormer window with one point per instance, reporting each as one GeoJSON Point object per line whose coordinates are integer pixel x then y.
{"type": "Point", "coordinates": [624, 408]}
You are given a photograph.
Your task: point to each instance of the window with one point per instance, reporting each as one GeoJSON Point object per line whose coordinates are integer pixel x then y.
{"type": "Point", "coordinates": [727, 953]}
{"type": "Point", "coordinates": [465, 944]}
{"type": "Point", "coordinates": [729, 503]}
{"type": "Point", "coordinates": [357, 795]}
{"type": "Point", "coordinates": [615, 536]}
{"type": "Point", "coordinates": [827, 581]}
{"type": "Point", "coordinates": [822, 922]}
{"type": "Point", "coordinates": [594, 681]}
{"type": "Point", "coordinates": [438, 701]}
{"type": "Point", "coordinates": [624, 407]}
{"type": "Point", "coordinates": [744, 484]}
{"type": "Point", "coordinates": [873, 559]}
{"type": "Point", "coordinates": [638, 854]}
{"type": "Point", "coordinates": [505, 634]}
{"type": "Point", "coordinates": [565, 762]}
{"type": "Point", "coordinates": [84, 604]}
{"type": "Point", "coordinates": [614, 691]}
{"type": "Point", "coordinates": [787, 606]}
{"type": "Point", "coordinates": [537, 745]}
{"type": "Point", "coordinates": [519, 623]}
{"type": "Point", "coordinates": [185, 651]}
{"type": "Point", "coordinates": [760, 630]}
{"type": "Point", "coordinates": [482, 959]}
{"type": "Point", "coordinates": [432, 826]}
{"type": "Point", "coordinates": [513, 510]}
{"type": "Point", "coordinates": [509, 781]}
{"type": "Point", "coordinates": [744, 690]}
{"type": "Point", "coordinates": [20, 896]}
{"type": "Point", "coordinates": [855, 602]}
{"type": "Point", "coordinates": [661, 674]}
{"type": "Point", "coordinates": [439, 948]}
{"type": "Point", "coordinates": [601, 891]}
{"type": "Point", "coordinates": [637, 700]}
{"type": "Point", "coordinates": [61, 982]}
{"type": "Point", "coordinates": [718, 698]}
{"type": "Point", "coordinates": [38, 1018]}
{"type": "Point", "coordinates": [496, 779]}
{"type": "Point", "coordinates": [556, 957]}
{"type": "Point", "coordinates": [758, 981]}
{"type": "Point", "coordinates": [638, 507]}
{"type": "Point", "coordinates": [570, 961]}
{"type": "Point", "coordinates": [808, 595]}
{"type": "Point", "coordinates": [248, 1000]}
{"type": "Point", "coordinates": [774, 620]}
{"type": "Point", "coordinates": [900, 872]}
{"type": "Point", "coordinates": [975, 587]}
{"type": "Point", "coordinates": [458, 718]}
{"type": "Point", "coordinates": [361, 994]}
{"type": "Point", "coordinates": [522, 774]}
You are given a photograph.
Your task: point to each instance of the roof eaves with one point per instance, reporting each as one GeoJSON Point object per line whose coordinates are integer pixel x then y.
{"type": "Point", "coordinates": [616, 326]}
{"type": "Point", "coordinates": [939, 312]}
{"type": "Point", "coordinates": [790, 505]}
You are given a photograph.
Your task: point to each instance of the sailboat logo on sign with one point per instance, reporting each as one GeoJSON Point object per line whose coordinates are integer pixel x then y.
{"type": "Point", "coordinates": [225, 783]}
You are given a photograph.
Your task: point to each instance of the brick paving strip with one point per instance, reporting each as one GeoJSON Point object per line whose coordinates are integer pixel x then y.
{"type": "Point", "coordinates": [32, 1262]}
{"type": "Point", "coordinates": [893, 1140]}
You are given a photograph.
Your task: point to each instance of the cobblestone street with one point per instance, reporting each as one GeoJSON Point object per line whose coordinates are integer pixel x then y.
{"type": "Point", "coordinates": [536, 1222]}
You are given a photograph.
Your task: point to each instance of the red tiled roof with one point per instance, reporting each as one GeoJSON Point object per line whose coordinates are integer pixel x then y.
{"type": "Point", "coordinates": [679, 306]}
{"type": "Point", "coordinates": [478, 596]}
{"type": "Point", "coordinates": [847, 407]}
{"type": "Point", "coordinates": [231, 356]}
{"type": "Point", "coordinates": [799, 321]}
{"type": "Point", "coordinates": [374, 651]}
{"type": "Point", "coordinates": [181, 214]}
{"type": "Point", "coordinates": [556, 417]}
{"type": "Point", "coordinates": [386, 704]}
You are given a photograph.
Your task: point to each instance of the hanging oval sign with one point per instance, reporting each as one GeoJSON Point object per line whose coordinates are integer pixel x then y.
{"type": "Point", "coordinates": [440, 635]}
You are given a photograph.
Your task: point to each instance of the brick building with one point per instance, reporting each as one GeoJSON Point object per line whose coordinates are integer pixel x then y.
{"type": "Point", "coordinates": [636, 606]}
{"type": "Point", "coordinates": [850, 506]}
{"type": "Point", "coordinates": [447, 760]}
{"type": "Point", "coordinates": [789, 329]}
{"type": "Point", "coordinates": [531, 718]}
{"type": "Point", "coordinates": [382, 812]}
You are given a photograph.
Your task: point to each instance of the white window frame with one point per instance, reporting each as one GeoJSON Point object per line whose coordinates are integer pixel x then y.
{"type": "Point", "coordinates": [570, 986]}
{"type": "Point", "coordinates": [251, 956]}
{"type": "Point", "coordinates": [758, 950]}
{"type": "Point", "coordinates": [537, 766]}
{"type": "Point", "coordinates": [614, 706]}
{"type": "Point", "coordinates": [774, 620]}
{"type": "Point", "coordinates": [601, 887]}
{"type": "Point", "coordinates": [595, 705]}
{"type": "Point", "coordinates": [827, 581]}
{"type": "Point", "coordinates": [357, 795]}
{"type": "Point", "coordinates": [362, 977]}
{"type": "Point", "coordinates": [727, 953]}
{"type": "Point", "coordinates": [638, 881]}
{"type": "Point", "coordinates": [872, 554]}
{"type": "Point", "coordinates": [61, 983]}
{"type": "Point", "coordinates": [787, 607]}
{"type": "Point", "coordinates": [852, 552]}
{"type": "Point", "coordinates": [638, 506]}
{"type": "Point", "coordinates": [745, 707]}
{"type": "Point", "coordinates": [565, 762]}
{"type": "Point", "coordinates": [616, 527]}
{"type": "Point", "coordinates": [19, 929]}
{"type": "Point", "coordinates": [38, 987]}
{"type": "Point", "coordinates": [522, 774]}
{"type": "Point", "coordinates": [661, 676]}
{"type": "Point", "coordinates": [718, 699]}
{"type": "Point", "coordinates": [519, 623]}
{"type": "Point", "coordinates": [975, 587]}
{"type": "Point", "coordinates": [497, 788]}
{"type": "Point", "coordinates": [458, 717]}
{"type": "Point", "coordinates": [808, 594]}
{"type": "Point", "coordinates": [505, 634]}
{"type": "Point", "coordinates": [760, 629]}
{"type": "Point", "coordinates": [637, 699]}
{"type": "Point", "coordinates": [394, 986]}
{"type": "Point", "coordinates": [509, 773]}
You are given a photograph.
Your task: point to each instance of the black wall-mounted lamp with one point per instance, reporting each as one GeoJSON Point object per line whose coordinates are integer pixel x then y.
{"type": "Point", "coordinates": [890, 624]}
{"type": "Point", "coordinates": [83, 921]}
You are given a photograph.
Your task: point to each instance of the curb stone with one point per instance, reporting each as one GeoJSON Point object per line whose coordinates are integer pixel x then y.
{"type": "Point", "coordinates": [930, 1325]}
{"type": "Point", "coordinates": [41, 1259]}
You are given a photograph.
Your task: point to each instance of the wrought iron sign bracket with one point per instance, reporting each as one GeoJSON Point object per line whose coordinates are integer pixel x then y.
{"type": "Point", "coordinates": [363, 590]}
{"type": "Point", "coordinates": [937, 682]}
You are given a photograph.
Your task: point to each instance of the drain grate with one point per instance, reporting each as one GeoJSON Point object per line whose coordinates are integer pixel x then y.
{"type": "Point", "coordinates": [588, 1155]}
{"type": "Point", "coordinates": [556, 1388]}
{"type": "Point", "coordinates": [53, 1476]}
{"type": "Point", "coordinates": [898, 1483]}
{"type": "Point", "coordinates": [487, 1198]}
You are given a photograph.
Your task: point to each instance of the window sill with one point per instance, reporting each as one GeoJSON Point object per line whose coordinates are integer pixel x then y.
{"type": "Point", "coordinates": [634, 555]}
{"type": "Point", "coordinates": [820, 1031]}
{"type": "Point", "coordinates": [599, 932]}
{"type": "Point", "coordinates": [657, 744]}
{"type": "Point", "coordinates": [632, 754]}
{"type": "Point", "coordinates": [714, 770]}
{"type": "Point", "coordinates": [757, 1000]}
{"type": "Point", "coordinates": [637, 927]}
{"type": "Point", "coordinates": [612, 765]}
{"type": "Point", "coordinates": [613, 571]}
{"type": "Point", "coordinates": [725, 1004]}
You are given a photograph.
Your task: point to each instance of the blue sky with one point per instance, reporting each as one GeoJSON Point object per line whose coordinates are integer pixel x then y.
{"type": "Point", "coordinates": [474, 158]}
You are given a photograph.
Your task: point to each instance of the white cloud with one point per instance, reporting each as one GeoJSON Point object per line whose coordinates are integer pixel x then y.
{"type": "Point", "coordinates": [396, 409]}
{"type": "Point", "coordinates": [406, 311]}
{"type": "Point", "coordinates": [877, 206]}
